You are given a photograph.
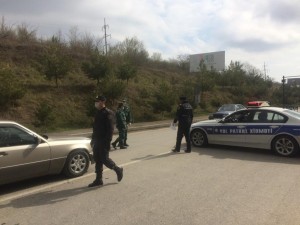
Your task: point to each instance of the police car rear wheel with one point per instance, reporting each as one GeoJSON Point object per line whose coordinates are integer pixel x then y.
{"type": "Point", "coordinates": [198, 138]}
{"type": "Point", "coordinates": [285, 146]}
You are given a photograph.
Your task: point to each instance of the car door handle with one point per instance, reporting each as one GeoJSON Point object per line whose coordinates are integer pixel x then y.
{"type": "Point", "coordinates": [241, 126]}
{"type": "Point", "coordinates": [274, 126]}
{"type": "Point", "coordinates": [3, 154]}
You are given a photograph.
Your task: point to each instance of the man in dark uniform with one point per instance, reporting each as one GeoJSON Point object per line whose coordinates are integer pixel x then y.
{"type": "Point", "coordinates": [184, 116]}
{"type": "Point", "coordinates": [102, 135]}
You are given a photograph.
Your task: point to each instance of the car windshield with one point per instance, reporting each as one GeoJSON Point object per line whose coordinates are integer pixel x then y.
{"type": "Point", "coordinates": [293, 113]}
{"type": "Point", "coordinates": [227, 108]}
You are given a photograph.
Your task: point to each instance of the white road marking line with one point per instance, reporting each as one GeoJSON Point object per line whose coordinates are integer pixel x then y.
{"type": "Point", "coordinates": [26, 193]}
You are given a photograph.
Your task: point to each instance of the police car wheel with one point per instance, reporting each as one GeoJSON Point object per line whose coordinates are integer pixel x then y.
{"type": "Point", "coordinates": [198, 138]}
{"type": "Point", "coordinates": [285, 146]}
{"type": "Point", "coordinates": [77, 164]}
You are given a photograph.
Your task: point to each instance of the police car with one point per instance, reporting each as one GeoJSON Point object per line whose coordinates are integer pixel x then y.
{"type": "Point", "coordinates": [272, 128]}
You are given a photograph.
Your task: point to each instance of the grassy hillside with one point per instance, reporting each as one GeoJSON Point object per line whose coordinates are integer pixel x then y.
{"type": "Point", "coordinates": [152, 93]}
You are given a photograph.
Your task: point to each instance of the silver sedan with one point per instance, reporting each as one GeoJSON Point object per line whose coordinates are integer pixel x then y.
{"type": "Point", "coordinates": [25, 154]}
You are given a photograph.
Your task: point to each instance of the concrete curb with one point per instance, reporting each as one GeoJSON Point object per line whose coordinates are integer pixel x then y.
{"type": "Point", "coordinates": [133, 127]}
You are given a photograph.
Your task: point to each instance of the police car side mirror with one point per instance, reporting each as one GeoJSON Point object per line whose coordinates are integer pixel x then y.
{"type": "Point", "coordinates": [222, 121]}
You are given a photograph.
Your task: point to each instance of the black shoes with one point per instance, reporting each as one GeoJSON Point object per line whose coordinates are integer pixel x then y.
{"type": "Point", "coordinates": [121, 146]}
{"type": "Point", "coordinates": [126, 145]}
{"type": "Point", "coordinates": [119, 172]}
{"type": "Point", "coordinates": [96, 183]}
{"type": "Point", "coordinates": [186, 151]}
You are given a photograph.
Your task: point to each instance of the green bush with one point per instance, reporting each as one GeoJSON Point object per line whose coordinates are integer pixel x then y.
{"type": "Point", "coordinates": [44, 116]}
{"type": "Point", "coordinates": [10, 89]}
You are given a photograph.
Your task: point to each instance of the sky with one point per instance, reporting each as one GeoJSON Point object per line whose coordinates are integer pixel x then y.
{"type": "Point", "coordinates": [262, 33]}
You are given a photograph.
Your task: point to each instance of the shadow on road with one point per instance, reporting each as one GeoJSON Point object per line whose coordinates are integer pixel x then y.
{"type": "Point", "coordinates": [49, 197]}
{"type": "Point", "coordinates": [242, 153]}
{"type": "Point", "coordinates": [229, 152]}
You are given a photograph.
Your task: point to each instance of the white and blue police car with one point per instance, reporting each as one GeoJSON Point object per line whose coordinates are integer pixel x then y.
{"type": "Point", "coordinates": [273, 128]}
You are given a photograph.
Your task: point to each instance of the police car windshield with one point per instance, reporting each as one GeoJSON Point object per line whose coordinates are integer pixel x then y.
{"type": "Point", "coordinates": [293, 113]}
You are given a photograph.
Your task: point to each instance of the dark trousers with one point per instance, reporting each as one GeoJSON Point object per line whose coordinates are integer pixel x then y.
{"type": "Point", "coordinates": [101, 156]}
{"type": "Point", "coordinates": [122, 137]}
{"type": "Point", "coordinates": [183, 130]}
{"type": "Point", "coordinates": [125, 136]}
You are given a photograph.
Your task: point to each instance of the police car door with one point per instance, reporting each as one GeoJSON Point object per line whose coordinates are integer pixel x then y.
{"type": "Point", "coordinates": [262, 129]}
{"type": "Point", "coordinates": [231, 130]}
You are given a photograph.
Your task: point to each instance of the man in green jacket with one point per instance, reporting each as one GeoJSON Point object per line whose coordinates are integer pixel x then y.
{"type": "Point", "coordinates": [128, 119]}
{"type": "Point", "coordinates": [121, 126]}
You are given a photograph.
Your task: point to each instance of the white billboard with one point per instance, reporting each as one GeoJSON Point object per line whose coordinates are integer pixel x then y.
{"type": "Point", "coordinates": [212, 60]}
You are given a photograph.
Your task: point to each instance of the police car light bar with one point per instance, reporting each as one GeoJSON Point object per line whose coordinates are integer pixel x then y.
{"type": "Point", "coordinates": [258, 104]}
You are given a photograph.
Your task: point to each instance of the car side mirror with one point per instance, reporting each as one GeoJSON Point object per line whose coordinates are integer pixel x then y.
{"type": "Point", "coordinates": [222, 121]}
{"type": "Point", "coordinates": [45, 136]}
{"type": "Point", "coordinates": [37, 140]}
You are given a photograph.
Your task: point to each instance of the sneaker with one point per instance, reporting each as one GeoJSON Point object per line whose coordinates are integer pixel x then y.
{"type": "Point", "coordinates": [114, 145]}
{"type": "Point", "coordinates": [187, 151]}
{"type": "Point", "coordinates": [175, 150]}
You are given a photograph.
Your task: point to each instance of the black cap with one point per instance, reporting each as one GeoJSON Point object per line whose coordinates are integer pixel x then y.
{"type": "Point", "coordinates": [100, 98]}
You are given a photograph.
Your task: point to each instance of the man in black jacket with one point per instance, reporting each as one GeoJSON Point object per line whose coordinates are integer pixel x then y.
{"type": "Point", "coordinates": [184, 116]}
{"type": "Point", "coordinates": [102, 135]}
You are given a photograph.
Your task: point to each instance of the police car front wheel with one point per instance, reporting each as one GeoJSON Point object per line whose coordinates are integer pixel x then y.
{"type": "Point", "coordinates": [198, 138]}
{"type": "Point", "coordinates": [285, 146]}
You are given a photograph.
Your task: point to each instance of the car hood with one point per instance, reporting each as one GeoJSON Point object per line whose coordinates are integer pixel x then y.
{"type": "Point", "coordinates": [68, 138]}
{"type": "Point", "coordinates": [75, 139]}
{"type": "Point", "coordinates": [205, 122]}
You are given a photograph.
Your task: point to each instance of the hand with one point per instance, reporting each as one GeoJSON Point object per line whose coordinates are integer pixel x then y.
{"type": "Point", "coordinates": [92, 143]}
{"type": "Point", "coordinates": [172, 126]}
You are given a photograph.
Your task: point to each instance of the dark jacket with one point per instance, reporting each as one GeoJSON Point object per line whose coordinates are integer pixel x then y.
{"type": "Point", "coordinates": [184, 114]}
{"type": "Point", "coordinates": [103, 127]}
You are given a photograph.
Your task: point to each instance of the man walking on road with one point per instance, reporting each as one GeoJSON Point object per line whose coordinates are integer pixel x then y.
{"type": "Point", "coordinates": [127, 112]}
{"type": "Point", "coordinates": [184, 116]}
{"type": "Point", "coordinates": [102, 135]}
{"type": "Point", "coordinates": [121, 126]}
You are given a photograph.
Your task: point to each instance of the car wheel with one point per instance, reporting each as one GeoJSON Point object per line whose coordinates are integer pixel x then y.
{"type": "Point", "coordinates": [198, 138]}
{"type": "Point", "coordinates": [285, 146]}
{"type": "Point", "coordinates": [77, 164]}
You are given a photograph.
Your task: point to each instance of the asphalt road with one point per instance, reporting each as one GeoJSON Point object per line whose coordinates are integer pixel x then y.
{"type": "Point", "coordinates": [213, 185]}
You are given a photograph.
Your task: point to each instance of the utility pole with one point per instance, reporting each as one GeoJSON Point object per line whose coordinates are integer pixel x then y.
{"type": "Point", "coordinates": [265, 71]}
{"type": "Point", "coordinates": [105, 36]}
{"type": "Point", "coordinates": [283, 81]}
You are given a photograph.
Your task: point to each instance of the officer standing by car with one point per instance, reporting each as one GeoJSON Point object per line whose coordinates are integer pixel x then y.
{"type": "Point", "coordinates": [103, 128]}
{"type": "Point", "coordinates": [184, 116]}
